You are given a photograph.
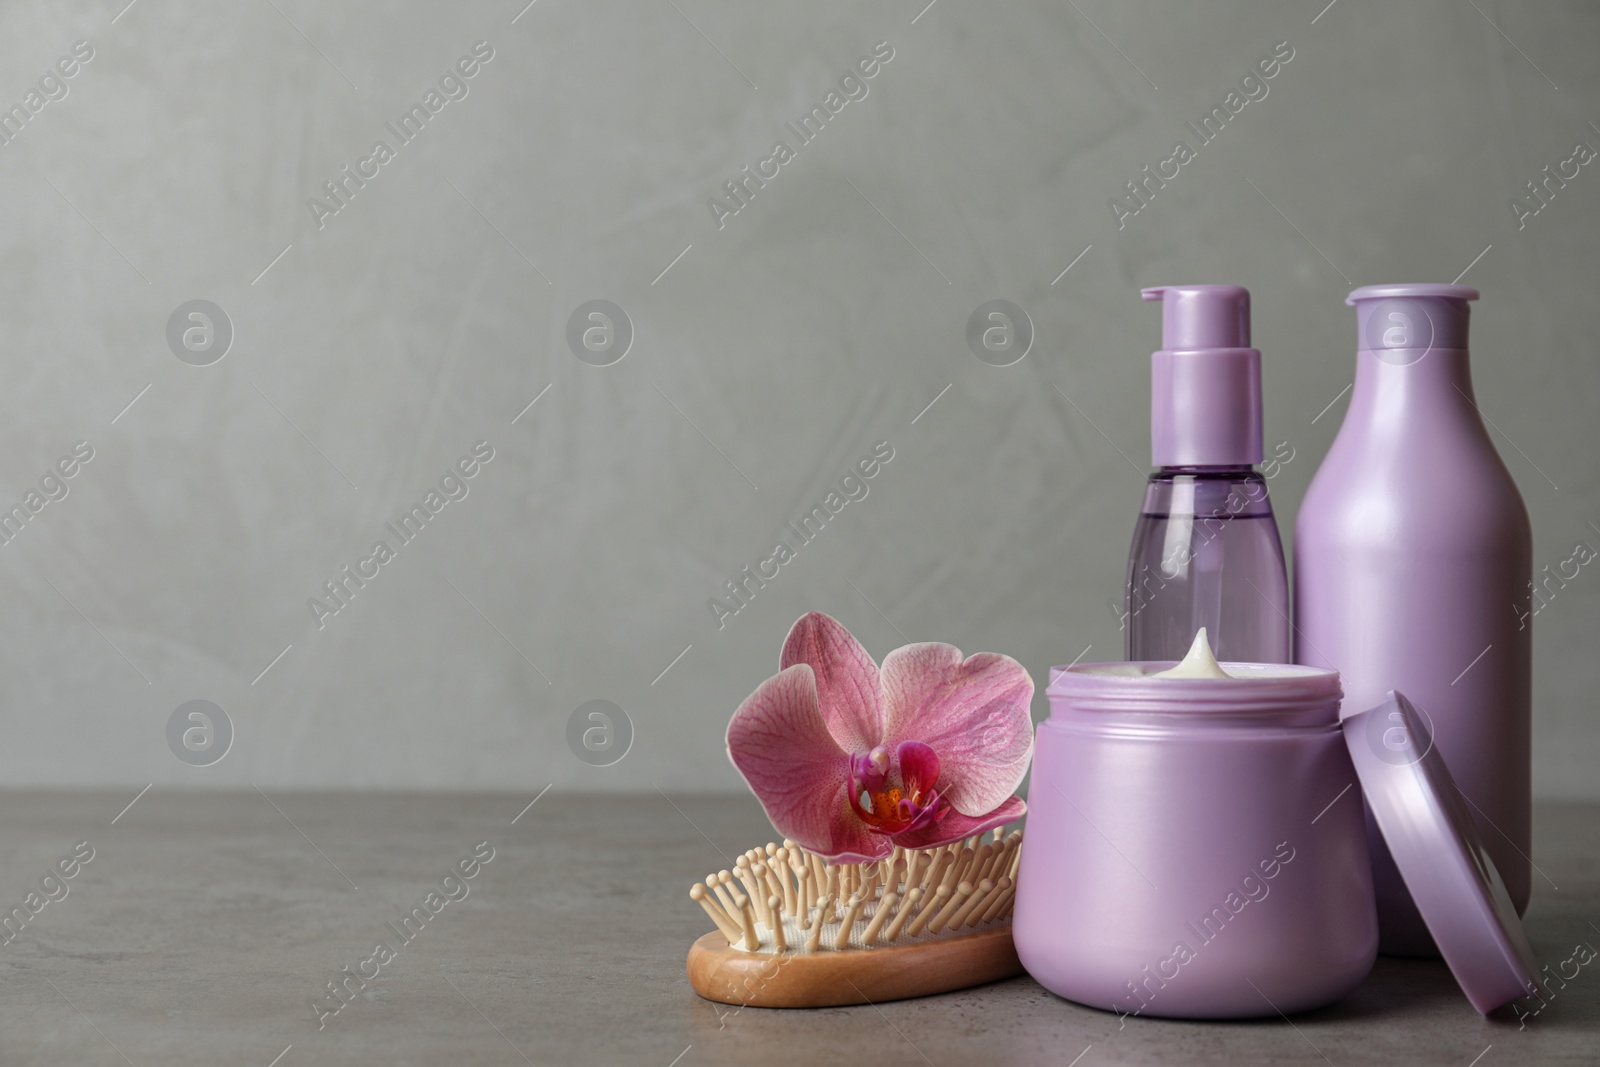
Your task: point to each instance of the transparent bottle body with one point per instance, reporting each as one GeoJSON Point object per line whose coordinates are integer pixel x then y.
{"type": "Point", "coordinates": [1206, 553]}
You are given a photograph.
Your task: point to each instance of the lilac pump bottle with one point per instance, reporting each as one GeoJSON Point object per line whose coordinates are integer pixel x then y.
{"type": "Point", "coordinates": [1206, 549]}
{"type": "Point", "coordinates": [1412, 565]}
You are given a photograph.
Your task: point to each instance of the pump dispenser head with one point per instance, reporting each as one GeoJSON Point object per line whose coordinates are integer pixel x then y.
{"type": "Point", "coordinates": [1205, 381]}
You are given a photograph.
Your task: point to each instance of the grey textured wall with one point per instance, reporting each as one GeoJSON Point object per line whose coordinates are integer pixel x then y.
{"type": "Point", "coordinates": [374, 345]}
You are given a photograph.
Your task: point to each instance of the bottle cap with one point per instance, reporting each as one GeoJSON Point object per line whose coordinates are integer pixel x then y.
{"type": "Point", "coordinates": [1412, 318]}
{"type": "Point", "coordinates": [1436, 845]}
{"type": "Point", "coordinates": [1205, 381]}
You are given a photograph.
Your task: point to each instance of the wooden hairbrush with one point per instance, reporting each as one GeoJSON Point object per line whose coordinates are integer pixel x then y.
{"type": "Point", "coordinates": [797, 931]}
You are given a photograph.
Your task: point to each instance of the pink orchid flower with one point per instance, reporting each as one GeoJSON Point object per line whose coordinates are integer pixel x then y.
{"type": "Point", "coordinates": [850, 761]}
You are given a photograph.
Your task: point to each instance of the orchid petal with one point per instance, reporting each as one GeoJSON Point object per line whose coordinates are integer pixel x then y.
{"type": "Point", "coordinates": [779, 742]}
{"type": "Point", "coordinates": [919, 767]}
{"type": "Point", "coordinates": [974, 714]}
{"type": "Point", "coordinates": [848, 690]}
{"type": "Point", "coordinates": [955, 826]}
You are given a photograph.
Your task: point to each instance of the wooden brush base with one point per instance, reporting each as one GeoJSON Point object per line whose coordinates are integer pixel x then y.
{"type": "Point", "coordinates": [851, 976]}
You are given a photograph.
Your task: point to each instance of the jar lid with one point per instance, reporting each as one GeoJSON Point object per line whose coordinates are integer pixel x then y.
{"type": "Point", "coordinates": [1436, 846]}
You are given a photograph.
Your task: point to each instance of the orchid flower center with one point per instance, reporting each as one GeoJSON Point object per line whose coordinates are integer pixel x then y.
{"type": "Point", "coordinates": [893, 792]}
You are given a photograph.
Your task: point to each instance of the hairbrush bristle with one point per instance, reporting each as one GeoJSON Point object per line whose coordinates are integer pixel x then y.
{"type": "Point", "coordinates": [781, 898]}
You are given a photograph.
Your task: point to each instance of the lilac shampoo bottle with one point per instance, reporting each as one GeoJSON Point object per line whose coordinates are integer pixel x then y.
{"type": "Point", "coordinates": [1206, 551]}
{"type": "Point", "coordinates": [1412, 565]}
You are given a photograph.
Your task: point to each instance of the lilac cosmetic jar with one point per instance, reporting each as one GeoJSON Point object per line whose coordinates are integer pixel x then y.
{"type": "Point", "coordinates": [1195, 846]}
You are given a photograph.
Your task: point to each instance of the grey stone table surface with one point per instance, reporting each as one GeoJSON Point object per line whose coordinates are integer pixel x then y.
{"type": "Point", "coordinates": [206, 925]}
